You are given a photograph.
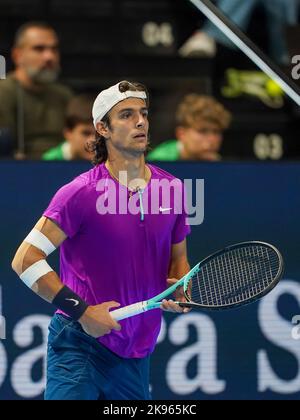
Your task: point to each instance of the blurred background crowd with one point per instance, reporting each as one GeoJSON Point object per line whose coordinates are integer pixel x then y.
{"type": "Point", "coordinates": [208, 101]}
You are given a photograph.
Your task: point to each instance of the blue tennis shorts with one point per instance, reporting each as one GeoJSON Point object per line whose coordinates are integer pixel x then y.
{"type": "Point", "coordinates": [79, 368]}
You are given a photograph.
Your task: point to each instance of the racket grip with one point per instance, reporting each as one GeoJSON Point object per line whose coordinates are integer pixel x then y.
{"type": "Point", "coordinates": [128, 311]}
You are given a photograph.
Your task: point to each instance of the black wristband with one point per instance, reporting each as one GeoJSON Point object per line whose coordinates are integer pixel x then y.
{"type": "Point", "coordinates": [70, 303]}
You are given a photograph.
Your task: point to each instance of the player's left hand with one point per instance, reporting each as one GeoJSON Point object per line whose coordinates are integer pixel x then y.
{"type": "Point", "coordinates": [170, 305]}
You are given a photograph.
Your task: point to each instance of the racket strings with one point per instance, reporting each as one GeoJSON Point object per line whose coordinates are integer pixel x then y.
{"type": "Point", "coordinates": [235, 276]}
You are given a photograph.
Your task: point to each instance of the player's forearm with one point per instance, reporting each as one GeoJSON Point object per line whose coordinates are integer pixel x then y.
{"type": "Point", "coordinates": [179, 268]}
{"type": "Point", "coordinates": [31, 266]}
{"type": "Point", "coordinates": [48, 286]}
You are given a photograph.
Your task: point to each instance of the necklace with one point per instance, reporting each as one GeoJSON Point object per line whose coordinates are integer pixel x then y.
{"type": "Point", "coordinates": [130, 190]}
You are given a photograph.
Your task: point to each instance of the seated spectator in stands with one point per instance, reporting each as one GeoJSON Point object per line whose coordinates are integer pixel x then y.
{"type": "Point", "coordinates": [280, 13]}
{"type": "Point", "coordinates": [78, 132]}
{"type": "Point", "coordinates": [32, 104]}
{"type": "Point", "coordinates": [200, 123]}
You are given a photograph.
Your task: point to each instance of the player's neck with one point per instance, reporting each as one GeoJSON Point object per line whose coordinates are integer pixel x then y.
{"type": "Point", "coordinates": [135, 169]}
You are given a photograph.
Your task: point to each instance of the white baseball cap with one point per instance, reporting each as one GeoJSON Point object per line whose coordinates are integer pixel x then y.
{"type": "Point", "coordinates": [110, 97]}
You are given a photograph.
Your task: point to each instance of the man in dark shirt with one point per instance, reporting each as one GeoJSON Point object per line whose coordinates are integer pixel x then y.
{"type": "Point", "coordinates": [32, 104]}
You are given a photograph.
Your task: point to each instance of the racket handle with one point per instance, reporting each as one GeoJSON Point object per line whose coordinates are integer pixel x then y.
{"type": "Point", "coordinates": [128, 311]}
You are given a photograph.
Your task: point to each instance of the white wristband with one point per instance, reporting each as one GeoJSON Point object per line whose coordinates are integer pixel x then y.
{"type": "Point", "coordinates": [40, 241]}
{"type": "Point", "coordinates": [35, 272]}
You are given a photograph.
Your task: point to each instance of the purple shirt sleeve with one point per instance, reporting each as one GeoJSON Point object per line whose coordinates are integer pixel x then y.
{"type": "Point", "coordinates": [66, 208]}
{"type": "Point", "coordinates": [180, 230]}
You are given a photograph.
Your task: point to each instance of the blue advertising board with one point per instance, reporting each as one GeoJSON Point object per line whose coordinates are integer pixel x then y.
{"type": "Point", "coordinates": [249, 353]}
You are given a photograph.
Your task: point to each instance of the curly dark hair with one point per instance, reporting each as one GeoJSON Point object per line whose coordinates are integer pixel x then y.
{"type": "Point", "coordinates": [98, 146]}
{"type": "Point", "coordinates": [195, 108]}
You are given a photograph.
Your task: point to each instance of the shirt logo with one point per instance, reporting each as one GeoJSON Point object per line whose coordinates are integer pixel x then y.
{"type": "Point", "coordinates": [76, 303]}
{"type": "Point", "coordinates": [163, 210]}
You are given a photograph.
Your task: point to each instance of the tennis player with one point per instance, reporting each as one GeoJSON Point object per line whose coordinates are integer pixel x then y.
{"type": "Point", "coordinates": [106, 259]}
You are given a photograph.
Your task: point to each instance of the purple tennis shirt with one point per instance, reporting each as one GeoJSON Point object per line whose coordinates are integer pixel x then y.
{"type": "Point", "coordinates": [114, 253]}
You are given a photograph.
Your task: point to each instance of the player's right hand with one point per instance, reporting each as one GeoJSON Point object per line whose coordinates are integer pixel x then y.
{"type": "Point", "coordinates": [96, 320]}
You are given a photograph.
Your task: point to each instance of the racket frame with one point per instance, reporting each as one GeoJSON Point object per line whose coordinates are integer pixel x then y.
{"type": "Point", "coordinates": [156, 301]}
{"type": "Point", "coordinates": [190, 304]}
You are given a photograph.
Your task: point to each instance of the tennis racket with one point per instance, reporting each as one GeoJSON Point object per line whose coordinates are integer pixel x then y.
{"type": "Point", "coordinates": [237, 275]}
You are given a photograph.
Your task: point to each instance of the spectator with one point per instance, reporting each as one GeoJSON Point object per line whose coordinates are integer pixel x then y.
{"type": "Point", "coordinates": [32, 105]}
{"type": "Point", "coordinates": [200, 123]}
{"type": "Point", "coordinates": [78, 132]}
{"type": "Point", "coordinates": [279, 13]}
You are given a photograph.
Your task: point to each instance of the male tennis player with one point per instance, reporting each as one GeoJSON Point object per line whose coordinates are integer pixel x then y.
{"type": "Point", "coordinates": [107, 259]}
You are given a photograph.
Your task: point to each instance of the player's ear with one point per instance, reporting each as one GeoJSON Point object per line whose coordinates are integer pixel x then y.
{"type": "Point", "coordinates": [102, 129]}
